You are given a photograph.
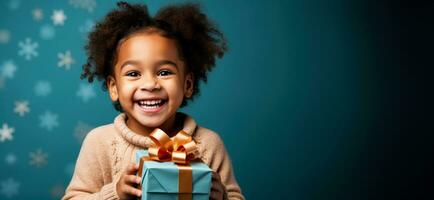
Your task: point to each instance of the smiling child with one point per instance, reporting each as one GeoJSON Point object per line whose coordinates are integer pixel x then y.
{"type": "Point", "coordinates": [151, 67]}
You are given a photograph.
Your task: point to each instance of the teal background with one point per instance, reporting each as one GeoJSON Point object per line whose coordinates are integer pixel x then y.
{"type": "Point", "coordinates": [308, 100]}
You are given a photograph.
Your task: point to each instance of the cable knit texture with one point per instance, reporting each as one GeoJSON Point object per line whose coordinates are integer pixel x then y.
{"type": "Point", "coordinates": [107, 150]}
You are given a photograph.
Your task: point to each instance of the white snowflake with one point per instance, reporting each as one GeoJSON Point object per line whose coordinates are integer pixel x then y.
{"type": "Point", "coordinates": [4, 36]}
{"type": "Point", "coordinates": [28, 49]}
{"type": "Point", "coordinates": [48, 121]}
{"type": "Point", "coordinates": [86, 92]}
{"type": "Point", "coordinates": [38, 158]}
{"type": "Point", "coordinates": [47, 32]}
{"type": "Point", "coordinates": [65, 60]}
{"type": "Point", "coordinates": [6, 133]}
{"type": "Point", "coordinates": [14, 4]}
{"type": "Point", "coordinates": [9, 188]}
{"type": "Point", "coordinates": [57, 191]}
{"type": "Point", "coordinates": [21, 108]}
{"type": "Point", "coordinates": [87, 26]}
{"type": "Point", "coordinates": [8, 69]}
{"type": "Point", "coordinates": [81, 130]}
{"type": "Point", "coordinates": [88, 5]}
{"type": "Point", "coordinates": [58, 17]}
{"type": "Point", "coordinates": [42, 88]}
{"type": "Point", "coordinates": [37, 14]}
{"type": "Point", "coordinates": [10, 159]}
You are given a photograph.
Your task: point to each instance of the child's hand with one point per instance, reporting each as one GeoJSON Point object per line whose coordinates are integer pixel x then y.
{"type": "Point", "coordinates": [125, 187]}
{"type": "Point", "coordinates": [217, 188]}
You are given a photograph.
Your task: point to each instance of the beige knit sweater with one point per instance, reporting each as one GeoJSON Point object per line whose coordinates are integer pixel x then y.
{"type": "Point", "coordinates": [107, 150]}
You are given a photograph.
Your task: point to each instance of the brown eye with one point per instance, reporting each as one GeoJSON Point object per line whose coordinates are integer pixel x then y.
{"type": "Point", "coordinates": [133, 74]}
{"type": "Point", "coordinates": [164, 73]}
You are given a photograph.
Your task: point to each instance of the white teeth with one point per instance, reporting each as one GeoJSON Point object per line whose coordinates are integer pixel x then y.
{"type": "Point", "coordinates": [153, 103]}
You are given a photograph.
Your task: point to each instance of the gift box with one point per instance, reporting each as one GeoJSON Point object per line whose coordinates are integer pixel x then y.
{"type": "Point", "coordinates": [169, 180]}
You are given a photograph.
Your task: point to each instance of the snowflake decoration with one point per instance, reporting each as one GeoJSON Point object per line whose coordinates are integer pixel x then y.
{"type": "Point", "coordinates": [14, 4]}
{"type": "Point", "coordinates": [10, 159]}
{"type": "Point", "coordinates": [21, 108]}
{"type": "Point", "coordinates": [37, 14]}
{"type": "Point", "coordinates": [4, 36]}
{"type": "Point", "coordinates": [38, 158]}
{"type": "Point", "coordinates": [48, 120]}
{"type": "Point", "coordinates": [58, 17]}
{"type": "Point", "coordinates": [47, 32]}
{"type": "Point", "coordinates": [28, 49]}
{"type": "Point", "coordinates": [8, 69]}
{"type": "Point", "coordinates": [87, 26]}
{"type": "Point", "coordinates": [86, 92]}
{"type": "Point", "coordinates": [88, 5]}
{"type": "Point", "coordinates": [6, 133]}
{"type": "Point", "coordinates": [81, 130]}
{"type": "Point", "coordinates": [42, 88]}
{"type": "Point", "coordinates": [57, 191]}
{"type": "Point", "coordinates": [65, 60]}
{"type": "Point", "coordinates": [9, 188]}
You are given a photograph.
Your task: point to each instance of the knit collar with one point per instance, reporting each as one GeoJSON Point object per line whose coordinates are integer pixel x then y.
{"type": "Point", "coordinates": [145, 141]}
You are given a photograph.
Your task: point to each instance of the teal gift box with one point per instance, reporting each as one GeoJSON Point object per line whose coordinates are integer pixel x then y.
{"type": "Point", "coordinates": [160, 180]}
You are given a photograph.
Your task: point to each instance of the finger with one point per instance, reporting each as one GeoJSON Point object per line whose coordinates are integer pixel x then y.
{"type": "Point", "coordinates": [216, 176]}
{"type": "Point", "coordinates": [217, 188]}
{"type": "Point", "coordinates": [215, 195]}
{"type": "Point", "coordinates": [214, 184]}
{"type": "Point", "coordinates": [133, 191]}
{"type": "Point", "coordinates": [132, 168]}
{"type": "Point", "coordinates": [132, 179]}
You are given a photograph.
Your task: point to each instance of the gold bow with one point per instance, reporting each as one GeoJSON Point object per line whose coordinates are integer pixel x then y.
{"type": "Point", "coordinates": [178, 149]}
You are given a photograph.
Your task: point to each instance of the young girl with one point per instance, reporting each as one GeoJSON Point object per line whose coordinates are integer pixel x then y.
{"type": "Point", "coordinates": [151, 66]}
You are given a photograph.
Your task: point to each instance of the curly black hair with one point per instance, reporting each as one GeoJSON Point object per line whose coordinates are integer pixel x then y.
{"type": "Point", "coordinates": [199, 41]}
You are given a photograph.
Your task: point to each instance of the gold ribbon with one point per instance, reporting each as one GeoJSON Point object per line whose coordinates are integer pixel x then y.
{"type": "Point", "coordinates": [178, 149]}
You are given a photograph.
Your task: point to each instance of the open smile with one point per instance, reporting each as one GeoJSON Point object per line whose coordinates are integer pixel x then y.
{"type": "Point", "coordinates": [151, 106]}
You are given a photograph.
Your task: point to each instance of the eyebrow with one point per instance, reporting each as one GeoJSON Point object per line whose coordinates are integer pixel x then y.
{"type": "Point", "coordinates": [164, 62]}
{"type": "Point", "coordinates": [158, 63]}
{"type": "Point", "coordinates": [129, 62]}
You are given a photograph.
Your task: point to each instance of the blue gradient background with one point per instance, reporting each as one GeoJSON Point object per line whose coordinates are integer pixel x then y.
{"type": "Point", "coordinates": [296, 98]}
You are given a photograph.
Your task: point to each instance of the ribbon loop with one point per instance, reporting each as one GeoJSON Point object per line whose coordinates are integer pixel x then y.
{"type": "Point", "coordinates": [178, 149]}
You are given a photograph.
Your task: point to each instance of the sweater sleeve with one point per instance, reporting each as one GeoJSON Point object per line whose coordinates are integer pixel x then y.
{"type": "Point", "coordinates": [87, 181]}
{"type": "Point", "coordinates": [220, 162]}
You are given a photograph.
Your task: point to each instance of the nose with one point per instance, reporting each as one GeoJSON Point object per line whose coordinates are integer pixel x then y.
{"type": "Point", "coordinates": [149, 83]}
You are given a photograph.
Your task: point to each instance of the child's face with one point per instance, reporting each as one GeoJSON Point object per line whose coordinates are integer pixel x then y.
{"type": "Point", "coordinates": [150, 81]}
